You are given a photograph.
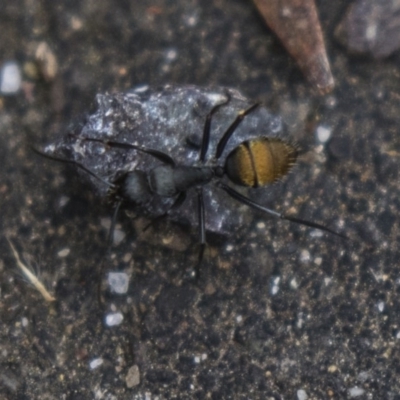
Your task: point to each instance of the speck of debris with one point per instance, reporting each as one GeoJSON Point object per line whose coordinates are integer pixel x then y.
{"type": "Point", "coordinates": [95, 363]}
{"type": "Point", "coordinates": [63, 201]}
{"type": "Point", "coordinates": [294, 284]}
{"type": "Point", "coordinates": [356, 391]}
{"type": "Point", "coordinates": [105, 223]}
{"type": "Point", "coordinates": [332, 369]}
{"type": "Point", "coordinates": [363, 376]}
{"type": "Point", "coordinates": [114, 319]}
{"type": "Point", "coordinates": [127, 257]}
{"type": "Point", "coordinates": [10, 78]}
{"type": "Point", "coordinates": [132, 378]}
{"type": "Point", "coordinates": [118, 282]}
{"type": "Point", "coordinates": [318, 261]}
{"type": "Point", "coordinates": [118, 236]}
{"type": "Point", "coordinates": [323, 133]}
{"type": "Point", "coordinates": [302, 395]}
{"type": "Point", "coordinates": [260, 225]}
{"type": "Point", "coordinates": [229, 247]}
{"type": "Point", "coordinates": [305, 256]}
{"type": "Point", "coordinates": [63, 253]}
{"type": "Point", "coordinates": [275, 285]}
{"type": "Point", "coordinates": [191, 20]}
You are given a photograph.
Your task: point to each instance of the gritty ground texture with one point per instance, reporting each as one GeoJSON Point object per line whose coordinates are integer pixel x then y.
{"type": "Point", "coordinates": [280, 311]}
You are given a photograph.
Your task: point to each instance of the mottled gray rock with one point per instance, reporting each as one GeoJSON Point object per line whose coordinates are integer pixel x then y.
{"type": "Point", "coordinates": [171, 120]}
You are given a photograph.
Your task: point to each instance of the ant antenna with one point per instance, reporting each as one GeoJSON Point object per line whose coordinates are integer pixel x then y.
{"type": "Point", "coordinates": [76, 163]}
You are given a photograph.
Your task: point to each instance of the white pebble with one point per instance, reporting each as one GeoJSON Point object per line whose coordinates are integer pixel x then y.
{"type": "Point", "coordinates": [356, 391]}
{"type": "Point", "coordinates": [118, 236]}
{"type": "Point", "coordinates": [96, 363]}
{"type": "Point", "coordinates": [305, 256]}
{"type": "Point", "coordinates": [118, 282]}
{"type": "Point", "coordinates": [275, 285]}
{"type": "Point", "coordinates": [114, 319]}
{"type": "Point", "coordinates": [294, 284]}
{"type": "Point", "coordinates": [63, 253]}
{"type": "Point", "coordinates": [10, 78]}
{"type": "Point", "coordinates": [229, 247]}
{"type": "Point", "coordinates": [323, 133]}
{"type": "Point", "coordinates": [302, 395]}
{"type": "Point", "coordinates": [318, 261]}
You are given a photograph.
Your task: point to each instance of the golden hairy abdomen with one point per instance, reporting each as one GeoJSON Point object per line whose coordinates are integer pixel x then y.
{"type": "Point", "coordinates": [260, 161]}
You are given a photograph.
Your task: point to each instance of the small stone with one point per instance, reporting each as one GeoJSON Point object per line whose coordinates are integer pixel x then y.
{"type": "Point", "coordinates": [10, 78]}
{"type": "Point", "coordinates": [63, 253]}
{"type": "Point", "coordinates": [294, 284]}
{"type": "Point", "coordinates": [275, 285]}
{"type": "Point", "coordinates": [118, 282]}
{"type": "Point", "coordinates": [371, 27]}
{"type": "Point", "coordinates": [132, 378]}
{"type": "Point", "coordinates": [302, 395]}
{"type": "Point", "coordinates": [95, 363]}
{"type": "Point", "coordinates": [118, 236]}
{"type": "Point", "coordinates": [305, 256]}
{"type": "Point", "coordinates": [114, 319]}
{"type": "Point", "coordinates": [356, 391]}
{"type": "Point", "coordinates": [332, 369]}
{"type": "Point", "coordinates": [323, 133]}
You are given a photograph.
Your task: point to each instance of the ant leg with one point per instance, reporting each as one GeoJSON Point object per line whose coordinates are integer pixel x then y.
{"type": "Point", "coordinates": [207, 128]}
{"type": "Point", "coordinates": [110, 239]}
{"type": "Point", "coordinates": [76, 163]}
{"type": "Point", "coordinates": [202, 226]}
{"type": "Point", "coordinates": [245, 200]}
{"type": "Point", "coordinates": [163, 157]}
{"type": "Point", "coordinates": [229, 132]}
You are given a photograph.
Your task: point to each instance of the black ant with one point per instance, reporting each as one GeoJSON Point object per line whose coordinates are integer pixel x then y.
{"type": "Point", "coordinates": [253, 163]}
